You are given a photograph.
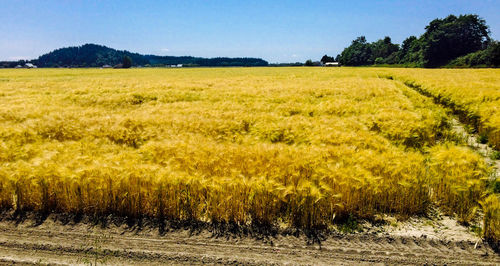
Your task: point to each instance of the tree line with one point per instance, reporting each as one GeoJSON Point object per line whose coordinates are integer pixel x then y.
{"type": "Point", "coordinates": [462, 41]}
{"type": "Point", "coordinates": [93, 55]}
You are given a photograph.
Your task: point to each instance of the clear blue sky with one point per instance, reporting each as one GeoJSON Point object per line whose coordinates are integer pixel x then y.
{"type": "Point", "coordinates": [278, 31]}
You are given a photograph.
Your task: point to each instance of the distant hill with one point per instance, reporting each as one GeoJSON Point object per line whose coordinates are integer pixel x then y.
{"type": "Point", "coordinates": [93, 55]}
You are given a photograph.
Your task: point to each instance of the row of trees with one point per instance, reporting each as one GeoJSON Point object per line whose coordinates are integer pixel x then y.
{"type": "Point", "coordinates": [92, 55]}
{"type": "Point", "coordinates": [444, 40]}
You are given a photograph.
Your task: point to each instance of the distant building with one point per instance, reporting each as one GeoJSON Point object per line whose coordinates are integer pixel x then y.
{"type": "Point", "coordinates": [332, 64]}
{"type": "Point", "coordinates": [179, 65]}
{"type": "Point", "coordinates": [29, 65]}
{"type": "Point", "coordinates": [19, 66]}
{"type": "Point", "coordinates": [107, 66]}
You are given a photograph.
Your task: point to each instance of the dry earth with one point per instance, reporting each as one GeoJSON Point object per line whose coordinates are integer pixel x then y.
{"type": "Point", "coordinates": [416, 241]}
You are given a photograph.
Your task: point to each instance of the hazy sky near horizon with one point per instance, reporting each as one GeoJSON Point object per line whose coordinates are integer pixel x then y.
{"type": "Point", "coordinates": [277, 31]}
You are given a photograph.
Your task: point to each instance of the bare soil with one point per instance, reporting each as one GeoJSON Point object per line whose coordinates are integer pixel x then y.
{"type": "Point", "coordinates": [416, 241]}
{"type": "Point", "coordinates": [483, 149]}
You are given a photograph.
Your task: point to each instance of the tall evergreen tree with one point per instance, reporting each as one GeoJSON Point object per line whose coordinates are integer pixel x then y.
{"type": "Point", "coordinates": [127, 62]}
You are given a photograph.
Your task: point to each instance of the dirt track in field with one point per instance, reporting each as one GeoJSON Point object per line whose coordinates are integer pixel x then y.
{"type": "Point", "coordinates": [54, 243]}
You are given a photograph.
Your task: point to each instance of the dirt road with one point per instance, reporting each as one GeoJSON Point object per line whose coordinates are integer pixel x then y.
{"type": "Point", "coordinates": [54, 243]}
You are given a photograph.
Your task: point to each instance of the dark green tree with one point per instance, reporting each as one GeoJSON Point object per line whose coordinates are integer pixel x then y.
{"type": "Point", "coordinates": [490, 57]}
{"type": "Point", "coordinates": [383, 48]}
{"type": "Point", "coordinates": [494, 50]}
{"type": "Point", "coordinates": [326, 59]}
{"type": "Point", "coordinates": [127, 62]}
{"type": "Point", "coordinates": [357, 54]}
{"type": "Point", "coordinates": [309, 62]}
{"type": "Point", "coordinates": [379, 60]}
{"type": "Point", "coordinates": [408, 44]}
{"type": "Point", "coordinates": [451, 37]}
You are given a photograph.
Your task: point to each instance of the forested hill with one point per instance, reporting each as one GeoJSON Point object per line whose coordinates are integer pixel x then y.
{"type": "Point", "coordinates": [92, 55]}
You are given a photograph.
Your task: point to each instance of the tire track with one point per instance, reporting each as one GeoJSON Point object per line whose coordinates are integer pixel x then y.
{"type": "Point", "coordinates": [60, 244]}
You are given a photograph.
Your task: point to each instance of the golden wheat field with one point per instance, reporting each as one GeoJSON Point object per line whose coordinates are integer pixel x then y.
{"type": "Point", "coordinates": [474, 94]}
{"type": "Point", "coordinates": [301, 147]}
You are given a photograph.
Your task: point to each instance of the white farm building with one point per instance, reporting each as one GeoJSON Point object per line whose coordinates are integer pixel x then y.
{"type": "Point", "coordinates": [332, 64]}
